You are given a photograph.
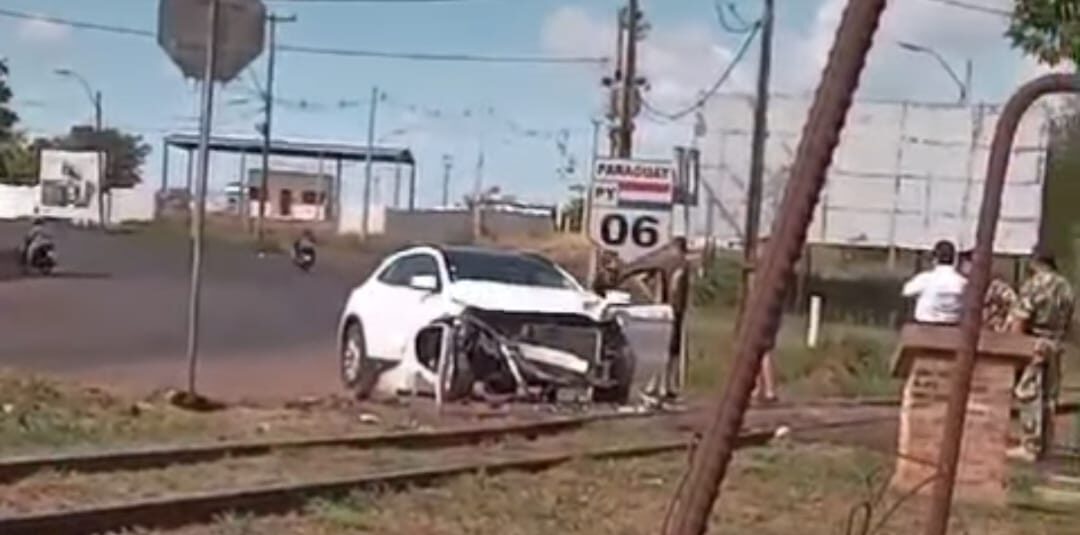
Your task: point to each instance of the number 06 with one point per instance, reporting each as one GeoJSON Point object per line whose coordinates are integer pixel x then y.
{"type": "Point", "coordinates": [615, 229]}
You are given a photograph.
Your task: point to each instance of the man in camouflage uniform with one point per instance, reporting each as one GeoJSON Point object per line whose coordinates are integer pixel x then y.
{"type": "Point", "coordinates": [1044, 309]}
{"type": "Point", "coordinates": [999, 300]}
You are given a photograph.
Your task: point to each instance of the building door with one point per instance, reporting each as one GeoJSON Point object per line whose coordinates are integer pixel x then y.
{"type": "Point", "coordinates": [286, 202]}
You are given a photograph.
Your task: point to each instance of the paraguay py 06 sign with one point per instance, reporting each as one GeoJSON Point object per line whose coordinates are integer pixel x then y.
{"type": "Point", "coordinates": [630, 206]}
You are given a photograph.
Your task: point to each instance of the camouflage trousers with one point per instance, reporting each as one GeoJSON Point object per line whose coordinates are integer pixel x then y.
{"type": "Point", "coordinates": [1037, 393]}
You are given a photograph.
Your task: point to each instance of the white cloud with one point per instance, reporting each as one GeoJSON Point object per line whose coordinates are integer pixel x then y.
{"type": "Point", "coordinates": [42, 31]}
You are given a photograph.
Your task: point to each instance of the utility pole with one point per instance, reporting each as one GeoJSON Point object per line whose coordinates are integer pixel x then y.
{"type": "Point", "coordinates": [624, 97]}
{"type": "Point", "coordinates": [757, 157]}
{"type": "Point", "coordinates": [628, 92]}
{"type": "Point", "coordinates": [478, 194]}
{"type": "Point", "coordinates": [968, 68]}
{"type": "Point", "coordinates": [614, 115]}
{"type": "Point", "coordinates": [586, 199]}
{"type": "Point", "coordinates": [397, 185]}
{"type": "Point", "coordinates": [367, 161]}
{"type": "Point", "coordinates": [448, 164]}
{"type": "Point", "coordinates": [268, 116]}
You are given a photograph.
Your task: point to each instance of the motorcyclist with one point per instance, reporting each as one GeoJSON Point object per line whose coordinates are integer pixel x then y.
{"type": "Point", "coordinates": [305, 243]}
{"type": "Point", "coordinates": [36, 235]}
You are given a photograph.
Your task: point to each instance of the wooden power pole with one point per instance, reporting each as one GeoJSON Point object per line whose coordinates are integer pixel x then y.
{"type": "Point", "coordinates": [757, 156]}
{"type": "Point", "coordinates": [268, 116]}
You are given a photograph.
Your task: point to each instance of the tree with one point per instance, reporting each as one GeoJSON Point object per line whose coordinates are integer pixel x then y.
{"type": "Point", "coordinates": [1047, 29]}
{"type": "Point", "coordinates": [574, 215]}
{"type": "Point", "coordinates": [124, 153]}
{"type": "Point", "coordinates": [8, 118]}
{"type": "Point", "coordinates": [18, 162]}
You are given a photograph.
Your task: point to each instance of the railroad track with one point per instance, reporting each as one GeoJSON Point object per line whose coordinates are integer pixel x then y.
{"type": "Point", "coordinates": [185, 508]}
{"type": "Point", "coordinates": [15, 468]}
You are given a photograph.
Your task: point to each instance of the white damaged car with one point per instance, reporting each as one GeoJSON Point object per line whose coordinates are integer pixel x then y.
{"type": "Point", "coordinates": [464, 321]}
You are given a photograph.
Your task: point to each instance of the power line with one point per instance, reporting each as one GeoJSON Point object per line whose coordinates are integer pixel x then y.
{"type": "Point", "coordinates": [431, 56]}
{"type": "Point", "coordinates": [340, 52]}
{"type": "Point", "coordinates": [975, 7]}
{"type": "Point", "coordinates": [77, 24]}
{"type": "Point", "coordinates": [739, 55]}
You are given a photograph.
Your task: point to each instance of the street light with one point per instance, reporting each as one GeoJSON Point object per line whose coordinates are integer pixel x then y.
{"type": "Point", "coordinates": [95, 96]}
{"type": "Point", "coordinates": [95, 99]}
{"type": "Point", "coordinates": [964, 85]}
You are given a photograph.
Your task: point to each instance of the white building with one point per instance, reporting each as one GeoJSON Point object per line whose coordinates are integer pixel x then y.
{"type": "Point", "coordinates": [293, 195]}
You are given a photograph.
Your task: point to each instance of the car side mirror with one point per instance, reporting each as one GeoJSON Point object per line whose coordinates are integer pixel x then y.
{"type": "Point", "coordinates": [427, 283]}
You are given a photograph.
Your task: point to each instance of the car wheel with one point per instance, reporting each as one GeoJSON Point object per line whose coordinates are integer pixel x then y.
{"type": "Point", "coordinates": [358, 372]}
{"type": "Point", "coordinates": [459, 380]}
{"type": "Point", "coordinates": [623, 362]}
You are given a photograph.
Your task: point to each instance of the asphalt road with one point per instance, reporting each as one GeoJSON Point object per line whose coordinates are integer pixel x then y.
{"type": "Point", "coordinates": [117, 306]}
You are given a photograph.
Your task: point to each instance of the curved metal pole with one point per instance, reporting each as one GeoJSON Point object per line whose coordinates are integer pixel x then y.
{"type": "Point", "coordinates": [971, 323]}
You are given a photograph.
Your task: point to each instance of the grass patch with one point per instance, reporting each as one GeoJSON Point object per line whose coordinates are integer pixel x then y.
{"type": "Point", "coordinates": [848, 361]}
{"type": "Point", "coordinates": [809, 490]}
{"type": "Point", "coordinates": [40, 413]}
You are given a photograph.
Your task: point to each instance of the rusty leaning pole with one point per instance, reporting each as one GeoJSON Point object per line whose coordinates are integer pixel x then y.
{"type": "Point", "coordinates": [854, 37]}
{"type": "Point", "coordinates": [820, 136]}
{"type": "Point", "coordinates": [971, 321]}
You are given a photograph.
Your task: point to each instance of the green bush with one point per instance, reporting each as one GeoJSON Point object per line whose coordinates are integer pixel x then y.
{"type": "Point", "coordinates": [719, 286]}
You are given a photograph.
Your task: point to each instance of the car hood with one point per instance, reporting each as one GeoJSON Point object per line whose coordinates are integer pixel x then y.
{"type": "Point", "coordinates": [517, 298]}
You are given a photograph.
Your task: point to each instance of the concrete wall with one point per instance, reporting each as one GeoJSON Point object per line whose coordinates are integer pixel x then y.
{"type": "Point", "coordinates": [447, 226]}
{"type": "Point", "coordinates": [122, 205]}
{"type": "Point", "coordinates": [509, 224]}
{"type": "Point", "coordinates": [18, 201]}
{"type": "Point", "coordinates": [135, 204]}
{"type": "Point", "coordinates": [299, 211]}
{"type": "Point", "coordinates": [352, 220]}
{"type": "Point", "coordinates": [436, 226]}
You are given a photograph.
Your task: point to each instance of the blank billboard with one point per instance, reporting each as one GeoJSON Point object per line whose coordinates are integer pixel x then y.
{"type": "Point", "coordinates": [905, 174]}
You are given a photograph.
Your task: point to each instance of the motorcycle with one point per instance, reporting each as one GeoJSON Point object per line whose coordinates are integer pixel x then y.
{"type": "Point", "coordinates": [39, 257]}
{"type": "Point", "coordinates": [304, 258]}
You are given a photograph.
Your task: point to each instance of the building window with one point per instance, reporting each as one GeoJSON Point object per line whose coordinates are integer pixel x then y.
{"type": "Point", "coordinates": [309, 197]}
{"type": "Point", "coordinates": [253, 193]}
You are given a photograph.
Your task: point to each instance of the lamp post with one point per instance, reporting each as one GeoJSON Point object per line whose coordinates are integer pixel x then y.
{"type": "Point", "coordinates": [963, 85]}
{"type": "Point", "coordinates": [94, 96]}
{"type": "Point", "coordinates": [95, 100]}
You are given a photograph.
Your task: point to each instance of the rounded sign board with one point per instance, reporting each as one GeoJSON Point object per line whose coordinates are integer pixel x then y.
{"type": "Point", "coordinates": [630, 206]}
{"type": "Point", "coordinates": [183, 32]}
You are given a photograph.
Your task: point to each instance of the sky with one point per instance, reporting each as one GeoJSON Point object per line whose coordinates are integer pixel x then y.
{"type": "Point", "coordinates": [510, 113]}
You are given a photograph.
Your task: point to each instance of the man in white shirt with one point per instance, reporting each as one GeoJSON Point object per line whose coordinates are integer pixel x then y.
{"type": "Point", "coordinates": [938, 291]}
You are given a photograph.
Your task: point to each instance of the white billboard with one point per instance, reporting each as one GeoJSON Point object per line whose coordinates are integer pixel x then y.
{"type": "Point", "coordinates": [905, 174]}
{"type": "Point", "coordinates": [70, 184]}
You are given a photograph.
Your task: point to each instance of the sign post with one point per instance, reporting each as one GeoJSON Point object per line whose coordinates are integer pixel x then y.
{"type": "Point", "coordinates": [630, 206]}
{"type": "Point", "coordinates": [213, 40]}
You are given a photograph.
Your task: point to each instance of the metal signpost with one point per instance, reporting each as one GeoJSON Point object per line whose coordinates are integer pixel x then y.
{"type": "Point", "coordinates": [213, 40]}
{"type": "Point", "coordinates": [630, 206]}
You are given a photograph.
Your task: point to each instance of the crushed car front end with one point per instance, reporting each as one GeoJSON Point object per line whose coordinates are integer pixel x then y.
{"type": "Point", "coordinates": [530, 354]}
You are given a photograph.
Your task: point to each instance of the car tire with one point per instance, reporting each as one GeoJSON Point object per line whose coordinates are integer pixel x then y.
{"type": "Point", "coordinates": [358, 372]}
{"type": "Point", "coordinates": [459, 383]}
{"type": "Point", "coordinates": [623, 363]}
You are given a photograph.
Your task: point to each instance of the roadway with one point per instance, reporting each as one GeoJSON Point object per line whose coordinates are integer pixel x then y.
{"type": "Point", "coordinates": [117, 310]}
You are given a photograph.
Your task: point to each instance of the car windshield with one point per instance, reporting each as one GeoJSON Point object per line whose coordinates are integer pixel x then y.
{"type": "Point", "coordinates": [507, 268]}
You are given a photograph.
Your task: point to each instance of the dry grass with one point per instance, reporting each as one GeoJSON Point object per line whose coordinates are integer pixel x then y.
{"type": "Point", "coordinates": [808, 490]}
{"type": "Point", "coordinates": [41, 415]}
